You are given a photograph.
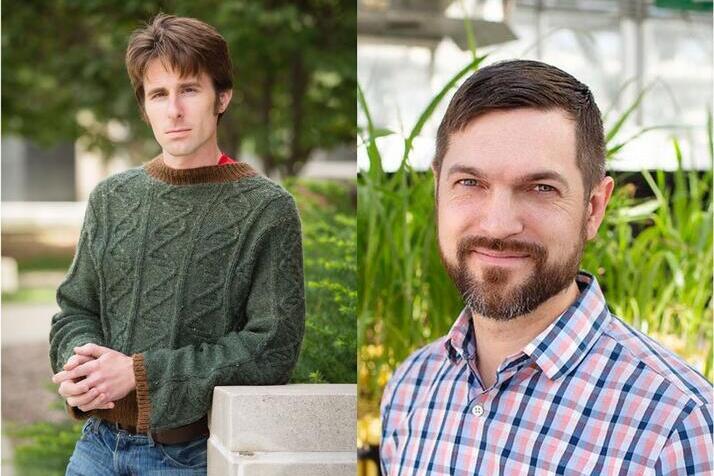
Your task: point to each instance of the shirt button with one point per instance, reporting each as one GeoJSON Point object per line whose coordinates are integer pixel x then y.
{"type": "Point", "coordinates": [477, 410]}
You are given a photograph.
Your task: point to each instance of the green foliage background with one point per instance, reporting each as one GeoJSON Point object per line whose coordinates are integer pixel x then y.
{"type": "Point", "coordinates": [329, 350]}
{"type": "Point", "coordinates": [294, 73]}
{"type": "Point", "coordinates": [44, 448]}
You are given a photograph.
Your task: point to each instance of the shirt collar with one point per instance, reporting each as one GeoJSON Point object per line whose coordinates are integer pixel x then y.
{"type": "Point", "coordinates": [460, 342]}
{"type": "Point", "coordinates": [562, 345]}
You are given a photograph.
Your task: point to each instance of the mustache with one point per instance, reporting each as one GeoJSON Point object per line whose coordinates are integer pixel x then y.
{"type": "Point", "coordinates": [468, 243]}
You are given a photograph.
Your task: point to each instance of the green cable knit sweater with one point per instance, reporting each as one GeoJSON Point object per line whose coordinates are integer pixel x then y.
{"type": "Point", "coordinates": [197, 274]}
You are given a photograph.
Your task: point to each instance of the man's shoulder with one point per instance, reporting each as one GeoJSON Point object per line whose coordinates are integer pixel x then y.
{"type": "Point", "coordinates": [269, 202]}
{"type": "Point", "coordinates": [114, 181]}
{"type": "Point", "coordinates": [262, 188]}
{"type": "Point", "coordinates": [638, 349]}
{"type": "Point", "coordinates": [422, 364]}
{"type": "Point", "coordinates": [432, 353]}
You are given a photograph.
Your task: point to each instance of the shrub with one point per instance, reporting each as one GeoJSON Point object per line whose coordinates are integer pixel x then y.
{"type": "Point", "coordinates": [329, 350]}
{"type": "Point", "coordinates": [43, 449]}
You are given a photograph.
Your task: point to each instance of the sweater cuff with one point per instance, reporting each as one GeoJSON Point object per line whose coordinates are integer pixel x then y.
{"type": "Point", "coordinates": [143, 418]}
{"type": "Point", "coordinates": [124, 411]}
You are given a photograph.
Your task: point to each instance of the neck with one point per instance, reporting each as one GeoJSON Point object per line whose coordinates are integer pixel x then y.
{"type": "Point", "coordinates": [497, 340]}
{"type": "Point", "coordinates": [206, 155]}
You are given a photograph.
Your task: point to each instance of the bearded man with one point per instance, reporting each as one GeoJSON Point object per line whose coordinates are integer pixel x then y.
{"type": "Point", "coordinates": [536, 376]}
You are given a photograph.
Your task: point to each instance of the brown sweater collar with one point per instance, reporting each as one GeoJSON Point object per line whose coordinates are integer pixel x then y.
{"type": "Point", "coordinates": [209, 174]}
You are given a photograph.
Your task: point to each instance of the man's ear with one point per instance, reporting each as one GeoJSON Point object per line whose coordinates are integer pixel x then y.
{"type": "Point", "coordinates": [224, 98]}
{"type": "Point", "coordinates": [599, 197]}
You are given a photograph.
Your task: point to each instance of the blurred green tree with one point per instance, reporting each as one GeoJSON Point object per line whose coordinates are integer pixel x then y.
{"type": "Point", "coordinates": [294, 65]}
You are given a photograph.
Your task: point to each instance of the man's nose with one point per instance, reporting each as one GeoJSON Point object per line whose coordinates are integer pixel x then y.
{"type": "Point", "coordinates": [174, 108]}
{"type": "Point", "coordinates": [498, 216]}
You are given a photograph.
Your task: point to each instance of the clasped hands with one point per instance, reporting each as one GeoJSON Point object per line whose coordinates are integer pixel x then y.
{"type": "Point", "coordinates": [95, 377]}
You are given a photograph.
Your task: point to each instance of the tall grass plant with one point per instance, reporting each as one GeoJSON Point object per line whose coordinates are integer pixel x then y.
{"type": "Point", "coordinates": [405, 297]}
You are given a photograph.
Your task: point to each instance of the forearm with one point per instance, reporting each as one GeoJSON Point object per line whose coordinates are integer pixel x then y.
{"type": "Point", "coordinates": [68, 332]}
{"type": "Point", "coordinates": [78, 321]}
{"type": "Point", "coordinates": [190, 373]}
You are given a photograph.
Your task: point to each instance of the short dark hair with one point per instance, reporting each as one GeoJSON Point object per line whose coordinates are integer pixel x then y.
{"type": "Point", "coordinates": [188, 45]}
{"type": "Point", "coordinates": [529, 84]}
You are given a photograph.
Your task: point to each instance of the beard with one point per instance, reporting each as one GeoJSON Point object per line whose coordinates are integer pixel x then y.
{"type": "Point", "coordinates": [491, 297]}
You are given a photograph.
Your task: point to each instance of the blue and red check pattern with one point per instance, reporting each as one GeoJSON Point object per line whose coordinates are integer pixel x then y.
{"type": "Point", "coordinates": [589, 395]}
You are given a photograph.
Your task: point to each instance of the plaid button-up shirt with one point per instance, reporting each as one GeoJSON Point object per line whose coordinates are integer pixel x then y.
{"type": "Point", "coordinates": [589, 395]}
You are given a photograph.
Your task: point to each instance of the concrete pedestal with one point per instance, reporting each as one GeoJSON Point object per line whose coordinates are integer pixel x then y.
{"type": "Point", "coordinates": [283, 430]}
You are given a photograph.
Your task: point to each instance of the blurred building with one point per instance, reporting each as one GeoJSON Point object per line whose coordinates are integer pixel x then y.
{"type": "Point", "coordinates": [408, 50]}
{"type": "Point", "coordinates": [32, 173]}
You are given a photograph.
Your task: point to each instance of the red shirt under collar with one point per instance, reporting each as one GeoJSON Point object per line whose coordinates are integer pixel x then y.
{"type": "Point", "coordinates": [224, 160]}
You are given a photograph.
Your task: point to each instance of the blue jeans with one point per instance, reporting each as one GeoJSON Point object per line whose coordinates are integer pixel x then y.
{"type": "Point", "coordinates": [104, 450]}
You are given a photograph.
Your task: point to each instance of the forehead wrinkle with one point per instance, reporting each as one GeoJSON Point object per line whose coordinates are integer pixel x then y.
{"type": "Point", "coordinates": [544, 175]}
{"type": "Point", "coordinates": [460, 168]}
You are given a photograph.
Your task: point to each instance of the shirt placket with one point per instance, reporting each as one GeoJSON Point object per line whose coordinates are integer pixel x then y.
{"type": "Point", "coordinates": [480, 399]}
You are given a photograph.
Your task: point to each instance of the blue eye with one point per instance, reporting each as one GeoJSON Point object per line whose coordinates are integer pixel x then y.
{"type": "Point", "coordinates": [544, 188]}
{"type": "Point", "coordinates": [468, 182]}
